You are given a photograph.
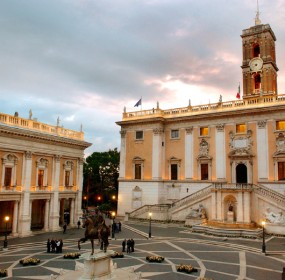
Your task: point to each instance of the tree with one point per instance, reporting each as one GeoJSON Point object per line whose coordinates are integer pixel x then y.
{"type": "Point", "coordinates": [100, 178]}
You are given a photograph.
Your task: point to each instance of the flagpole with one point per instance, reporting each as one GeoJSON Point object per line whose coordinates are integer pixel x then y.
{"type": "Point", "coordinates": [141, 103]}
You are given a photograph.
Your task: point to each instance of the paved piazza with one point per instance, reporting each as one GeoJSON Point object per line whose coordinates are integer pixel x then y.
{"type": "Point", "coordinates": [215, 258]}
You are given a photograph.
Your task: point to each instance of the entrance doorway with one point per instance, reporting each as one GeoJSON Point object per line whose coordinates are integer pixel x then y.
{"type": "Point", "coordinates": [241, 174]}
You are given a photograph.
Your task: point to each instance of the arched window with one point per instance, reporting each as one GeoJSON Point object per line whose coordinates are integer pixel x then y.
{"type": "Point", "coordinates": [42, 171]}
{"type": "Point", "coordinates": [257, 81]}
{"type": "Point", "coordinates": [256, 51]}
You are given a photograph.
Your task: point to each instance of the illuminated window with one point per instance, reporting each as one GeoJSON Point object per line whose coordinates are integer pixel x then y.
{"type": "Point", "coordinates": [41, 174]}
{"type": "Point", "coordinates": [204, 131]}
{"type": "Point", "coordinates": [174, 133]}
{"type": "Point", "coordinates": [280, 125]}
{"type": "Point", "coordinates": [281, 171]}
{"type": "Point", "coordinates": [67, 178]}
{"type": "Point", "coordinates": [138, 171]}
{"type": "Point", "coordinates": [139, 135]}
{"type": "Point", "coordinates": [240, 128]}
{"type": "Point", "coordinates": [174, 171]}
{"type": "Point", "coordinates": [204, 171]}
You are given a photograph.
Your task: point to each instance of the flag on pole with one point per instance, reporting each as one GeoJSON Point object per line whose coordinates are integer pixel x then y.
{"type": "Point", "coordinates": [138, 103]}
{"type": "Point", "coordinates": [238, 93]}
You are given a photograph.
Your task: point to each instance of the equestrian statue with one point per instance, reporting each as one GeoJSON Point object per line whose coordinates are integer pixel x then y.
{"type": "Point", "coordinates": [95, 228]}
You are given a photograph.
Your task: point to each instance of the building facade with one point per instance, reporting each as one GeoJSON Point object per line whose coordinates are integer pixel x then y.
{"type": "Point", "coordinates": [41, 175]}
{"type": "Point", "coordinates": [220, 153]}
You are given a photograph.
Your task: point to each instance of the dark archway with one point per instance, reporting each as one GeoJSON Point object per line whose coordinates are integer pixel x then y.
{"type": "Point", "coordinates": [241, 174]}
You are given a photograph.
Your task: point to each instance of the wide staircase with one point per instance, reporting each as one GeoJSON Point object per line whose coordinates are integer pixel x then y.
{"type": "Point", "coordinates": [179, 210]}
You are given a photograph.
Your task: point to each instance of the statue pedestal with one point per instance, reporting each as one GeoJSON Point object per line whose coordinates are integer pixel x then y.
{"type": "Point", "coordinates": [230, 216]}
{"type": "Point", "coordinates": [97, 266]}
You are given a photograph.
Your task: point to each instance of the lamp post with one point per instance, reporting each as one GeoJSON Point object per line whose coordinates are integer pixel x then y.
{"type": "Point", "coordinates": [6, 232]}
{"type": "Point", "coordinates": [149, 230]}
{"type": "Point", "coordinates": [263, 238]}
{"type": "Point", "coordinates": [113, 225]}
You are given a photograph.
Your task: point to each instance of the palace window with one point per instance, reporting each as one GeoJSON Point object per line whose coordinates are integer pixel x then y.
{"type": "Point", "coordinates": [41, 174]}
{"type": "Point", "coordinates": [42, 171]}
{"type": "Point", "coordinates": [204, 131]}
{"type": "Point", "coordinates": [174, 134]}
{"type": "Point", "coordinates": [138, 168]}
{"type": "Point", "coordinates": [138, 171]}
{"type": "Point", "coordinates": [9, 170]}
{"type": "Point", "coordinates": [8, 177]}
{"type": "Point", "coordinates": [68, 173]}
{"type": "Point", "coordinates": [204, 171]}
{"type": "Point", "coordinates": [139, 135]}
{"type": "Point", "coordinates": [174, 171]}
{"type": "Point", "coordinates": [281, 171]}
{"type": "Point", "coordinates": [280, 125]}
{"type": "Point", "coordinates": [241, 128]}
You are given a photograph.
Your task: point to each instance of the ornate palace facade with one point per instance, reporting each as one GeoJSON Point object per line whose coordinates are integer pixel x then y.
{"type": "Point", "coordinates": [220, 154]}
{"type": "Point", "coordinates": [41, 175]}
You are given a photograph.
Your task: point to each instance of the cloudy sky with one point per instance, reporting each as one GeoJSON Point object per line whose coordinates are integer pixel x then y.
{"type": "Point", "coordinates": [84, 60]}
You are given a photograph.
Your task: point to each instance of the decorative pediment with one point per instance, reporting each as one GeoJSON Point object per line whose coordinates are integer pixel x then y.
{"type": "Point", "coordinates": [10, 159]}
{"type": "Point", "coordinates": [280, 143]}
{"type": "Point", "coordinates": [204, 148]}
{"type": "Point", "coordinates": [138, 160]}
{"type": "Point", "coordinates": [42, 162]}
{"type": "Point", "coordinates": [241, 146]}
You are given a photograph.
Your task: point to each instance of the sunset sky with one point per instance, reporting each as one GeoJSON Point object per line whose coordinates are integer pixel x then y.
{"type": "Point", "coordinates": [85, 60]}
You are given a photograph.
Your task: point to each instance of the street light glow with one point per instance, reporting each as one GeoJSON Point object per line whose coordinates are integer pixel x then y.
{"type": "Point", "coordinates": [113, 214]}
{"type": "Point", "coordinates": [263, 223]}
{"type": "Point", "coordinates": [7, 218]}
{"type": "Point", "coordinates": [150, 214]}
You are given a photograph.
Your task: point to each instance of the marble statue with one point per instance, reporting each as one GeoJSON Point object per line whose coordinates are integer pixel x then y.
{"type": "Point", "coordinates": [199, 212]}
{"type": "Point", "coordinates": [274, 218]}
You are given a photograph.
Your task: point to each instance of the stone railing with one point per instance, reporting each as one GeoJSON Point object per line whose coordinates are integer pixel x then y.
{"type": "Point", "coordinates": [257, 101]}
{"type": "Point", "coordinates": [225, 186]}
{"type": "Point", "coordinates": [267, 192]}
{"type": "Point", "coordinates": [40, 127]}
{"type": "Point", "coordinates": [192, 197]}
{"type": "Point", "coordinates": [144, 210]}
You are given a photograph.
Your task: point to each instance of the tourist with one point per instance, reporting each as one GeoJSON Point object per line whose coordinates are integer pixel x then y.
{"type": "Point", "coordinates": [129, 246]}
{"type": "Point", "coordinates": [48, 246]}
{"type": "Point", "coordinates": [64, 227]}
{"type": "Point", "coordinates": [124, 245]}
{"type": "Point", "coordinates": [132, 245]}
{"type": "Point", "coordinates": [53, 245]}
{"type": "Point", "coordinates": [78, 224]}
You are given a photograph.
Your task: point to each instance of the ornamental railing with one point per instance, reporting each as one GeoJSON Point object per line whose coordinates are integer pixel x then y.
{"type": "Point", "coordinates": [253, 102]}
{"type": "Point", "coordinates": [272, 194]}
{"type": "Point", "coordinates": [34, 125]}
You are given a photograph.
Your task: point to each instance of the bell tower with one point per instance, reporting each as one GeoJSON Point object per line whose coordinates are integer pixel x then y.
{"type": "Point", "coordinates": [259, 67]}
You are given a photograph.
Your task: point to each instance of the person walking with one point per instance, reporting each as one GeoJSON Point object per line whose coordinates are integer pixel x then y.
{"type": "Point", "coordinates": [78, 224]}
{"type": "Point", "coordinates": [53, 245]}
{"type": "Point", "coordinates": [48, 246]}
{"type": "Point", "coordinates": [64, 227]}
{"type": "Point", "coordinates": [124, 245]}
{"type": "Point", "coordinates": [132, 245]}
{"type": "Point", "coordinates": [129, 246]}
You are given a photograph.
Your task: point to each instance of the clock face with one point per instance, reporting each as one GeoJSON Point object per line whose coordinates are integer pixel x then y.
{"type": "Point", "coordinates": [256, 64]}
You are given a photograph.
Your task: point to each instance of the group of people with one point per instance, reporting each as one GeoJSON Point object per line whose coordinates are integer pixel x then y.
{"type": "Point", "coordinates": [130, 243]}
{"type": "Point", "coordinates": [54, 246]}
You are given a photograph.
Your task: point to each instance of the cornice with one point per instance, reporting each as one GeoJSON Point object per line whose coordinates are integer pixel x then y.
{"type": "Point", "coordinates": [29, 135]}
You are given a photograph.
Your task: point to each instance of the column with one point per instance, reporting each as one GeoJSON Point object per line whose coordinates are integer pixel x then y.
{"type": "Point", "coordinates": [157, 153]}
{"type": "Point", "coordinates": [247, 208]}
{"type": "Point", "coordinates": [78, 199]}
{"type": "Point", "coordinates": [54, 211]}
{"type": "Point", "coordinates": [220, 153]}
{"type": "Point", "coordinates": [46, 222]}
{"type": "Point", "coordinates": [24, 226]}
{"type": "Point", "coordinates": [123, 154]}
{"type": "Point", "coordinates": [72, 212]}
{"type": "Point", "coordinates": [189, 153]}
{"type": "Point", "coordinates": [219, 206]}
{"type": "Point", "coordinates": [214, 206]}
{"type": "Point", "coordinates": [240, 207]}
{"type": "Point", "coordinates": [15, 218]}
{"type": "Point", "coordinates": [262, 150]}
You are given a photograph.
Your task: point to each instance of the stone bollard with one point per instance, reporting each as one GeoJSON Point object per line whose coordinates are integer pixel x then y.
{"type": "Point", "coordinates": [283, 274]}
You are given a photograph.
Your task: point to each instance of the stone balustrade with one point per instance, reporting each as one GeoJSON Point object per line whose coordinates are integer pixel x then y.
{"type": "Point", "coordinates": [40, 127]}
{"type": "Point", "coordinates": [249, 103]}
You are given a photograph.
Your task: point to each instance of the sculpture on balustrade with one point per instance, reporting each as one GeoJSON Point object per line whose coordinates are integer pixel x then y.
{"type": "Point", "coordinates": [274, 218]}
{"type": "Point", "coordinates": [198, 213]}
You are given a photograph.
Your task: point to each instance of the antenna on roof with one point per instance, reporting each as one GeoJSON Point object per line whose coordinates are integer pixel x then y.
{"type": "Point", "coordinates": [257, 20]}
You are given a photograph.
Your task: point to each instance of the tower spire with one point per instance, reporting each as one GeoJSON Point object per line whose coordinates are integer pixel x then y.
{"type": "Point", "coordinates": [257, 20]}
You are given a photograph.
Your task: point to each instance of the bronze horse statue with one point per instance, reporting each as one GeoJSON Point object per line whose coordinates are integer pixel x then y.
{"type": "Point", "coordinates": [95, 230]}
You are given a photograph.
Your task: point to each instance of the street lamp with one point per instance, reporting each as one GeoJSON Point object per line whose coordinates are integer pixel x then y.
{"type": "Point", "coordinates": [113, 225]}
{"type": "Point", "coordinates": [149, 230]}
{"type": "Point", "coordinates": [263, 238]}
{"type": "Point", "coordinates": [6, 232]}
